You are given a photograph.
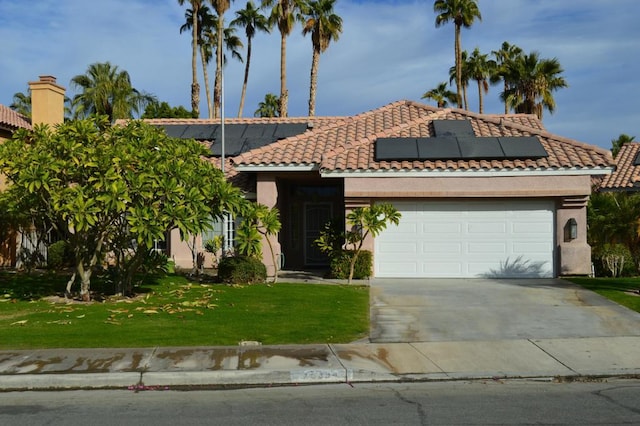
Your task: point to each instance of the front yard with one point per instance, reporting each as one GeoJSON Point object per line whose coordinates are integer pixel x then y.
{"type": "Point", "coordinates": [624, 291]}
{"type": "Point", "coordinates": [176, 312]}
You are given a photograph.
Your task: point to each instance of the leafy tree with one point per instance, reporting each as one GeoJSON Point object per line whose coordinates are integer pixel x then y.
{"type": "Point", "coordinates": [105, 90]}
{"type": "Point", "coordinates": [616, 144]}
{"type": "Point", "coordinates": [324, 26]}
{"type": "Point", "coordinates": [480, 68]}
{"type": "Point", "coordinates": [532, 81]}
{"type": "Point", "coordinates": [251, 20]}
{"type": "Point", "coordinates": [195, 86]}
{"type": "Point", "coordinates": [284, 14]}
{"type": "Point", "coordinates": [269, 107]}
{"type": "Point", "coordinates": [260, 222]}
{"type": "Point", "coordinates": [364, 221]}
{"type": "Point", "coordinates": [441, 95]}
{"type": "Point", "coordinates": [504, 59]}
{"type": "Point", "coordinates": [462, 13]}
{"type": "Point", "coordinates": [113, 190]}
{"type": "Point", "coordinates": [164, 110]}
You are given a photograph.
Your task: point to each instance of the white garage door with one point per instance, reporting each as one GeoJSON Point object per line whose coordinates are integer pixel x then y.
{"type": "Point", "coordinates": [468, 239]}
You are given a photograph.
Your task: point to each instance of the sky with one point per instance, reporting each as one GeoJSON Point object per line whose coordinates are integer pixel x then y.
{"type": "Point", "coordinates": [389, 50]}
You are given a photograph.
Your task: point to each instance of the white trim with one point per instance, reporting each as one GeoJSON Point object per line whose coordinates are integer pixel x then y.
{"type": "Point", "coordinates": [278, 168]}
{"type": "Point", "coordinates": [469, 173]}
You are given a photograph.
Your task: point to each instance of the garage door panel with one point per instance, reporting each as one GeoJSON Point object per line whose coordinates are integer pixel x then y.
{"type": "Point", "coordinates": [469, 239]}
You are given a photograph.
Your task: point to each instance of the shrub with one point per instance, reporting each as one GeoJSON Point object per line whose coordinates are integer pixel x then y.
{"type": "Point", "coordinates": [341, 260]}
{"type": "Point", "coordinates": [58, 255]}
{"type": "Point", "coordinates": [616, 260]}
{"type": "Point", "coordinates": [241, 270]}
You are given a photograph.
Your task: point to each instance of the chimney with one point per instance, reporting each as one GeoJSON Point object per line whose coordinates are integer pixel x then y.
{"type": "Point", "coordinates": [47, 101]}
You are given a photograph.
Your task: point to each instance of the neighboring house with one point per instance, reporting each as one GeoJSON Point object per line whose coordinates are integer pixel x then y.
{"type": "Point", "coordinates": [626, 176]}
{"type": "Point", "coordinates": [480, 195]}
{"type": "Point", "coordinates": [47, 107]}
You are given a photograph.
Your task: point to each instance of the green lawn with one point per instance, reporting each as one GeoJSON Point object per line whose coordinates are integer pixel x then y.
{"type": "Point", "coordinates": [619, 290]}
{"type": "Point", "coordinates": [175, 312]}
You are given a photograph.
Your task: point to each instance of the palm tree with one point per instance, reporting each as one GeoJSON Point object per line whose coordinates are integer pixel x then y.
{"type": "Point", "coordinates": [464, 78]}
{"type": "Point", "coordinates": [504, 58]}
{"type": "Point", "coordinates": [462, 13]}
{"type": "Point", "coordinates": [269, 107]}
{"type": "Point", "coordinates": [220, 6]}
{"type": "Point", "coordinates": [324, 26]}
{"type": "Point", "coordinates": [195, 86]}
{"type": "Point", "coordinates": [284, 13]}
{"type": "Point", "coordinates": [532, 81]}
{"type": "Point", "coordinates": [616, 144]}
{"type": "Point", "coordinates": [205, 21]}
{"type": "Point", "coordinates": [251, 20]}
{"type": "Point", "coordinates": [108, 91]}
{"type": "Point", "coordinates": [480, 69]}
{"type": "Point", "coordinates": [21, 104]}
{"type": "Point", "coordinates": [232, 43]}
{"type": "Point", "coordinates": [441, 95]}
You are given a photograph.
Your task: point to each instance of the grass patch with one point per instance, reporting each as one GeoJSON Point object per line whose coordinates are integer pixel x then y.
{"type": "Point", "coordinates": [176, 312]}
{"type": "Point", "coordinates": [619, 290]}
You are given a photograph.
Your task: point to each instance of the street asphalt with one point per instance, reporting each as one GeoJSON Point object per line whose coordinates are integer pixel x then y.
{"type": "Point", "coordinates": [530, 353]}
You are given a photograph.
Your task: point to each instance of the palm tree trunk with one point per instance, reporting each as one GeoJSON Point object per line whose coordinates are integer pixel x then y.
{"type": "Point", "coordinates": [506, 106]}
{"type": "Point", "coordinates": [217, 92]}
{"type": "Point", "coordinates": [246, 78]}
{"type": "Point", "coordinates": [458, 66]}
{"type": "Point", "coordinates": [315, 60]}
{"type": "Point", "coordinates": [480, 108]}
{"type": "Point", "coordinates": [195, 87]}
{"type": "Point", "coordinates": [207, 87]}
{"type": "Point", "coordinates": [284, 95]}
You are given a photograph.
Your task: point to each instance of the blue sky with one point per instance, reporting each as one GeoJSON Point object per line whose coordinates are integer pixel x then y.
{"type": "Point", "coordinates": [389, 50]}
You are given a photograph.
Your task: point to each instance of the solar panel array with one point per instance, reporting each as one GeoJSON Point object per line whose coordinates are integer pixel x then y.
{"type": "Point", "coordinates": [455, 140]}
{"type": "Point", "coordinates": [238, 138]}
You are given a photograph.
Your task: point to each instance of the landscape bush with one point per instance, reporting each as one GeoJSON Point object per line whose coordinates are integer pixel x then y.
{"type": "Point", "coordinates": [241, 270]}
{"type": "Point", "coordinates": [341, 260]}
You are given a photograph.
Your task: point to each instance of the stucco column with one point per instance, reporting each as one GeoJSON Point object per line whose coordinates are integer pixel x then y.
{"type": "Point", "coordinates": [574, 254]}
{"type": "Point", "coordinates": [267, 194]}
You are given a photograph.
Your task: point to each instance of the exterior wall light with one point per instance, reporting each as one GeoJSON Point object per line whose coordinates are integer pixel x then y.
{"type": "Point", "coordinates": [571, 230]}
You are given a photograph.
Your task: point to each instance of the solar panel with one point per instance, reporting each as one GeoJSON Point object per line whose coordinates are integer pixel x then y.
{"type": "Point", "coordinates": [453, 128]}
{"type": "Point", "coordinates": [480, 148]}
{"type": "Point", "coordinates": [199, 131]}
{"type": "Point", "coordinates": [396, 149]}
{"type": "Point", "coordinates": [438, 148]}
{"type": "Point", "coordinates": [522, 147]}
{"type": "Point", "coordinates": [174, 131]}
{"type": "Point", "coordinates": [285, 130]}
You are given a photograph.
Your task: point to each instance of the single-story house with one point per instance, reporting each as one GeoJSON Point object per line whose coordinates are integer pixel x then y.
{"type": "Point", "coordinates": [626, 177]}
{"type": "Point", "coordinates": [480, 195]}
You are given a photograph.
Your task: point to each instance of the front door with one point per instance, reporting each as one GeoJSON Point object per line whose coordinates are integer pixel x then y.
{"type": "Point", "coordinates": [316, 215]}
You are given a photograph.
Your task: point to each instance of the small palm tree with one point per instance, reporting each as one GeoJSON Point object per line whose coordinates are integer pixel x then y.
{"type": "Point", "coordinates": [21, 104]}
{"type": "Point", "coordinates": [480, 68]}
{"type": "Point", "coordinates": [284, 14]}
{"type": "Point", "coordinates": [105, 90]}
{"type": "Point", "coordinates": [324, 26]}
{"type": "Point", "coordinates": [616, 144]}
{"type": "Point", "coordinates": [532, 81]}
{"type": "Point", "coordinates": [251, 20]}
{"type": "Point", "coordinates": [441, 94]}
{"type": "Point", "coordinates": [269, 107]}
{"type": "Point", "coordinates": [462, 13]}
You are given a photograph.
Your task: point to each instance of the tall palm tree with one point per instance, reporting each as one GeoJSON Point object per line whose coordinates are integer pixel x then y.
{"type": "Point", "coordinates": [464, 78]}
{"type": "Point", "coordinates": [441, 94]}
{"type": "Point", "coordinates": [324, 26]}
{"type": "Point", "coordinates": [480, 68]}
{"type": "Point", "coordinates": [21, 104]}
{"type": "Point", "coordinates": [205, 22]}
{"type": "Point", "coordinates": [220, 6]}
{"type": "Point", "coordinates": [284, 13]}
{"type": "Point", "coordinates": [105, 90]}
{"type": "Point", "coordinates": [532, 81]}
{"type": "Point", "coordinates": [462, 13]}
{"type": "Point", "coordinates": [269, 107]}
{"type": "Point", "coordinates": [231, 43]}
{"type": "Point", "coordinates": [504, 58]}
{"type": "Point", "coordinates": [195, 86]}
{"type": "Point", "coordinates": [251, 20]}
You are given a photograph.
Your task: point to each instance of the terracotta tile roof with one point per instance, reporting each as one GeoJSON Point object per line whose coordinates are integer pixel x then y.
{"type": "Point", "coordinates": [348, 144]}
{"type": "Point", "coordinates": [627, 175]}
{"type": "Point", "coordinates": [11, 120]}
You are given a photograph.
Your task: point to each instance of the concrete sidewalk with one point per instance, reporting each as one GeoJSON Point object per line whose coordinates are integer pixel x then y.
{"type": "Point", "coordinates": [160, 368]}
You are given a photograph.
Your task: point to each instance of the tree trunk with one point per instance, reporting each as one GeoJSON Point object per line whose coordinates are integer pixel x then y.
{"type": "Point", "coordinates": [207, 87]}
{"type": "Point", "coordinates": [284, 94]}
{"type": "Point", "coordinates": [458, 65]}
{"type": "Point", "coordinates": [246, 78]}
{"type": "Point", "coordinates": [313, 82]}
{"type": "Point", "coordinates": [217, 91]}
{"type": "Point", "coordinates": [480, 106]}
{"type": "Point", "coordinates": [195, 87]}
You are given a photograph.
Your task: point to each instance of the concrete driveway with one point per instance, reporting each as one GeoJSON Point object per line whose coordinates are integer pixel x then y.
{"type": "Point", "coordinates": [437, 310]}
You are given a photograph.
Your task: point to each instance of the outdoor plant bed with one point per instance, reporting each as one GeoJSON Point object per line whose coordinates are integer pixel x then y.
{"type": "Point", "coordinates": [177, 312]}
